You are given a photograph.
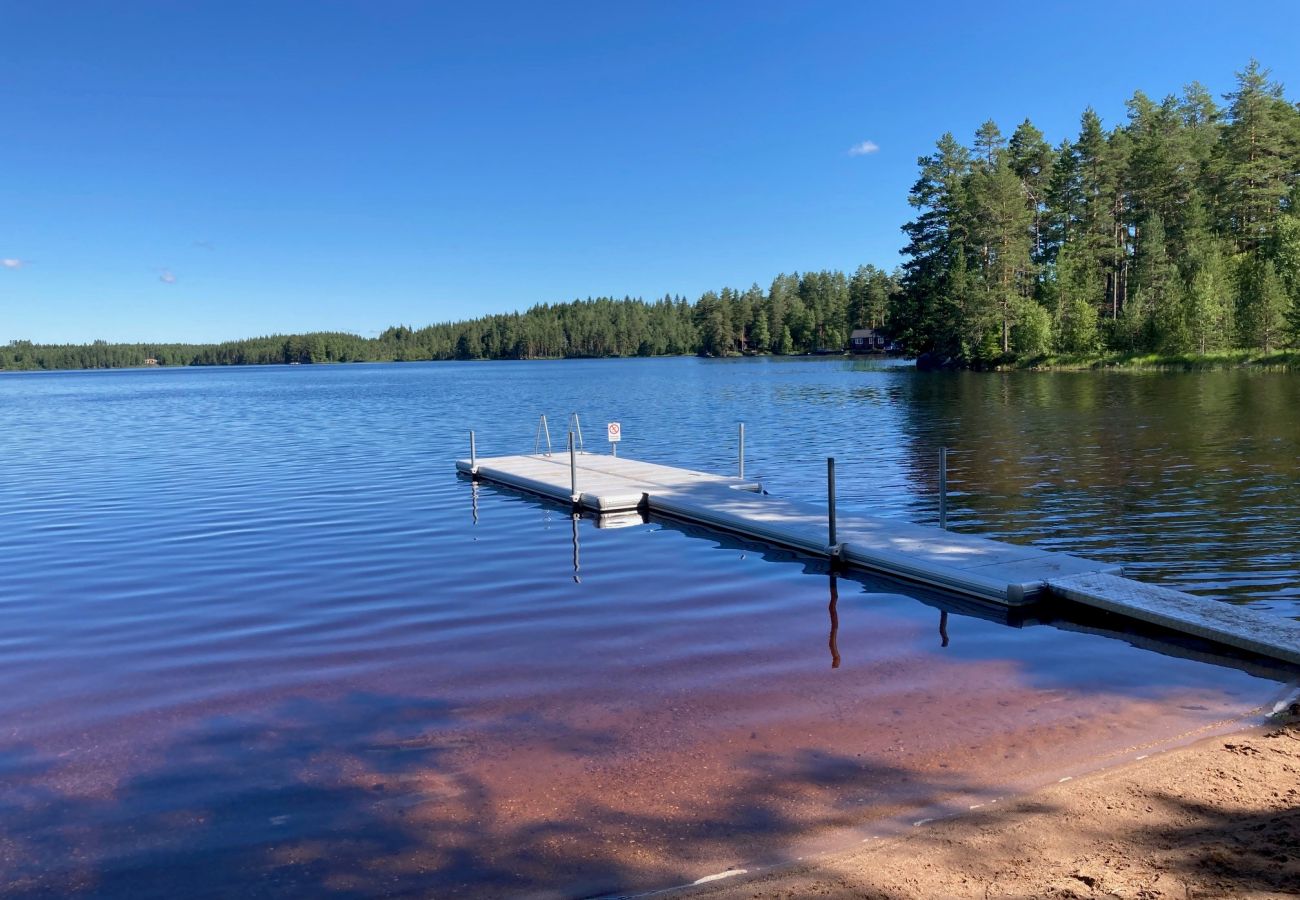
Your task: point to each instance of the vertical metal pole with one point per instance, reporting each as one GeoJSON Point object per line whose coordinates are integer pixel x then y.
{"type": "Point", "coordinates": [546, 428]}
{"type": "Point", "coordinates": [473, 455]}
{"type": "Point", "coordinates": [943, 488]}
{"type": "Point", "coordinates": [830, 503]}
{"type": "Point", "coordinates": [573, 470]}
{"type": "Point", "coordinates": [613, 448]}
{"type": "Point", "coordinates": [742, 451]}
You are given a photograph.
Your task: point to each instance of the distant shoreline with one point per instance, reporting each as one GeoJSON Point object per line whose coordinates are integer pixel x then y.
{"type": "Point", "coordinates": [1280, 360]}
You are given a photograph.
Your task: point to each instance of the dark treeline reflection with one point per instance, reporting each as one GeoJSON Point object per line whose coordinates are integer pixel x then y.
{"type": "Point", "coordinates": [1191, 477]}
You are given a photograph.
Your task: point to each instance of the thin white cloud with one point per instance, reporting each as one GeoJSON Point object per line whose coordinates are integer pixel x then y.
{"type": "Point", "coordinates": [13, 263]}
{"type": "Point", "coordinates": [167, 277]}
{"type": "Point", "coordinates": [863, 148]}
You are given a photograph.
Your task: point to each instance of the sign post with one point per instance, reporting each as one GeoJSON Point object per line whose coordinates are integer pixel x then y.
{"type": "Point", "coordinates": [615, 433]}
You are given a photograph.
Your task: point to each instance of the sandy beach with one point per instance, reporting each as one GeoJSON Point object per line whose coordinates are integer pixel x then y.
{"type": "Point", "coordinates": [1219, 818]}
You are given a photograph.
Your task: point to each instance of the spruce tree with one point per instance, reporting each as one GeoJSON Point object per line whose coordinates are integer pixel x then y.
{"type": "Point", "coordinates": [1210, 300]}
{"type": "Point", "coordinates": [1263, 305]}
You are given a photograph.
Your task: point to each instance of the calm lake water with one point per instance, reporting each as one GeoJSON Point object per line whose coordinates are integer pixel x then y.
{"type": "Point", "coordinates": [258, 639]}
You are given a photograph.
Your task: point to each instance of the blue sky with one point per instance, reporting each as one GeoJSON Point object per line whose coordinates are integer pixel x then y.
{"type": "Point", "coordinates": [205, 171]}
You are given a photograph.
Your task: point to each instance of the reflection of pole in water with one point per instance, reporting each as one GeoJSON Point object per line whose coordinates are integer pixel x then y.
{"type": "Point", "coordinates": [473, 500]}
{"type": "Point", "coordinates": [835, 623]}
{"type": "Point", "coordinates": [575, 518]}
{"type": "Point", "coordinates": [943, 627]}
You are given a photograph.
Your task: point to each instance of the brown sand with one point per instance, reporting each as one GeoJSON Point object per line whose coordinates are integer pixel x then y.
{"type": "Point", "coordinates": [1220, 818]}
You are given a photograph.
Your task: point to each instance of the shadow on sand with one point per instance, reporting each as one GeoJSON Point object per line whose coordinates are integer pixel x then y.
{"type": "Point", "coordinates": [361, 797]}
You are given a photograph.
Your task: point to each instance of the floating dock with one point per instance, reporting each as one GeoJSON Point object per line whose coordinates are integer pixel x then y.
{"type": "Point", "coordinates": [968, 565]}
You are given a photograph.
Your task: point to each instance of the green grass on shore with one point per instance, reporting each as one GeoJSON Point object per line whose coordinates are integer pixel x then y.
{"type": "Point", "coordinates": [1219, 359]}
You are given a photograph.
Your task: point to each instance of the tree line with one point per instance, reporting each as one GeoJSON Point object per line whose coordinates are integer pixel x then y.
{"type": "Point", "coordinates": [1177, 231]}
{"type": "Point", "coordinates": [796, 314]}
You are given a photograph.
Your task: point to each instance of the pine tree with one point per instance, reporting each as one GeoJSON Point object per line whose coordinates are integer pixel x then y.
{"type": "Point", "coordinates": [1100, 161]}
{"type": "Point", "coordinates": [922, 316]}
{"type": "Point", "coordinates": [1001, 235]}
{"type": "Point", "coordinates": [1259, 152]}
{"type": "Point", "coordinates": [860, 298]}
{"type": "Point", "coordinates": [1164, 170]}
{"type": "Point", "coordinates": [1031, 159]}
{"type": "Point", "coordinates": [1064, 202]}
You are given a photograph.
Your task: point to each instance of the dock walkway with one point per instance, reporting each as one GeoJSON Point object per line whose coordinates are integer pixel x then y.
{"type": "Point", "coordinates": [966, 564]}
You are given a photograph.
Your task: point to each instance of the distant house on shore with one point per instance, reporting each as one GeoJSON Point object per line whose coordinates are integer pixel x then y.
{"type": "Point", "coordinates": [151, 361]}
{"type": "Point", "coordinates": [867, 340]}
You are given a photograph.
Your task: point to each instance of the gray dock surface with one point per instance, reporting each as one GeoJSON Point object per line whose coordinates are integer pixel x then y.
{"type": "Point", "coordinates": [966, 564]}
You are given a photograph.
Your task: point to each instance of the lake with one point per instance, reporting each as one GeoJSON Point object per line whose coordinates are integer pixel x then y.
{"type": "Point", "coordinates": [259, 639]}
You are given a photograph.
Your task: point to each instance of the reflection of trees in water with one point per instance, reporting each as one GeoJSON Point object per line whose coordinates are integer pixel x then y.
{"type": "Point", "coordinates": [1188, 475]}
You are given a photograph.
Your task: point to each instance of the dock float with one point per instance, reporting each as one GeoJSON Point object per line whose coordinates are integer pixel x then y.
{"type": "Point", "coordinates": [965, 564]}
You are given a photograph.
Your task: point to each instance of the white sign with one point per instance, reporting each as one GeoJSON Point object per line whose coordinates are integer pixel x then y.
{"type": "Point", "coordinates": [615, 432]}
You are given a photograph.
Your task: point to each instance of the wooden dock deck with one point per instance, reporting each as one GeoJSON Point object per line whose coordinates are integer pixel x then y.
{"type": "Point", "coordinates": [966, 564]}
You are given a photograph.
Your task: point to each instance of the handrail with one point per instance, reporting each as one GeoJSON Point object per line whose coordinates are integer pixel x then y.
{"type": "Point", "coordinates": [537, 441]}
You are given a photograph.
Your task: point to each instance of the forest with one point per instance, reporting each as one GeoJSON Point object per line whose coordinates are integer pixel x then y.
{"type": "Point", "coordinates": [1174, 232]}
{"type": "Point", "coordinates": [797, 314]}
{"type": "Point", "coordinates": [1177, 231]}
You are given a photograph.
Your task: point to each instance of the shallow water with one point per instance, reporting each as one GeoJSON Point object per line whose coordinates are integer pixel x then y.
{"type": "Point", "coordinates": [258, 638]}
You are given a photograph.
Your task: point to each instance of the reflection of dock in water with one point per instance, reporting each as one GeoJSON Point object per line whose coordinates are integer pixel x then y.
{"type": "Point", "coordinates": [967, 565]}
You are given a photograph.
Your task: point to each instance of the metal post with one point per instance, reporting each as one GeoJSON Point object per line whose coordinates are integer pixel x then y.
{"type": "Point", "coordinates": [943, 488]}
{"type": "Point", "coordinates": [742, 451]}
{"type": "Point", "coordinates": [830, 504]}
{"type": "Point", "coordinates": [473, 455]}
{"type": "Point", "coordinates": [573, 470]}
